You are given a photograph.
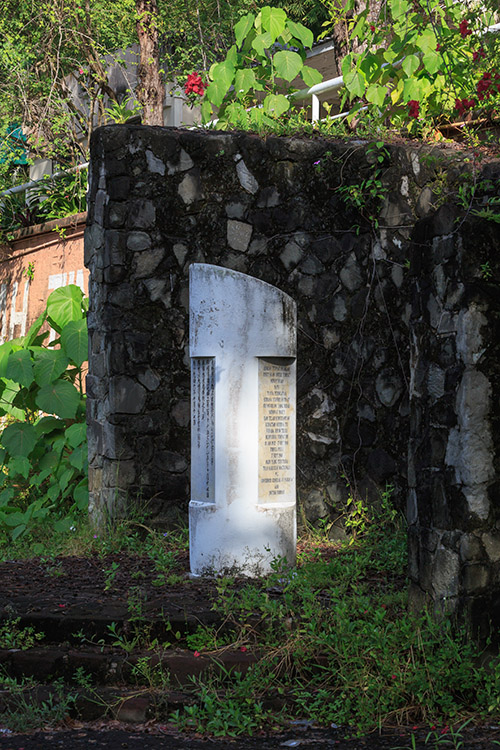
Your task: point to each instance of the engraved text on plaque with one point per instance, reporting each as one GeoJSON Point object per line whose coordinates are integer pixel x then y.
{"type": "Point", "coordinates": [203, 427]}
{"type": "Point", "coordinates": [276, 461]}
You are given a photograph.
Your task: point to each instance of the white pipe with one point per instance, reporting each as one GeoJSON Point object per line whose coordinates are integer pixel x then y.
{"type": "Point", "coordinates": [34, 183]}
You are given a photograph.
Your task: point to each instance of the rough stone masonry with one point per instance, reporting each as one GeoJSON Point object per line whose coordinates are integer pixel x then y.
{"type": "Point", "coordinates": [396, 287]}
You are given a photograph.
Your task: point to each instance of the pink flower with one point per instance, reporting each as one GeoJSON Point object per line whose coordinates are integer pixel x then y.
{"type": "Point", "coordinates": [393, 677]}
{"type": "Point", "coordinates": [61, 605]}
{"type": "Point", "coordinates": [243, 648]}
{"type": "Point", "coordinates": [196, 653]}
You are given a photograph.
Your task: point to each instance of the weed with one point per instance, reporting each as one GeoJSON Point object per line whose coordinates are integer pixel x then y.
{"type": "Point", "coordinates": [26, 712]}
{"type": "Point", "coordinates": [149, 670]}
{"type": "Point", "coordinates": [12, 636]}
{"type": "Point", "coordinates": [110, 575]}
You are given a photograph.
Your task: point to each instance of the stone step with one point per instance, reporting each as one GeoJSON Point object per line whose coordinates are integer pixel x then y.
{"type": "Point", "coordinates": [134, 705]}
{"type": "Point", "coordinates": [114, 666]}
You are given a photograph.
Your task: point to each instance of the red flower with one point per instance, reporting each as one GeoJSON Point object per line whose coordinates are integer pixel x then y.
{"type": "Point", "coordinates": [393, 677]}
{"type": "Point", "coordinates": [372, 28]}
{"type": "Point", "coordinates": [477, 55]}
{"type": "Point", "coordinates": [194, 85]}
{"type": "Point", "coordinates": [464, 28]}
{"type": "Point", "coordinates": [483, 86]}
{"type": "Point", "coordinates": [413, 108]}
{"type": "Point", "coordinates": [438, 47]}
{"type": "Point", "coordinates": [196, 653]}
{"type": "Point", "coordinates": [462, 105]}
{"type": "Point", "coordinates": [243, 648]}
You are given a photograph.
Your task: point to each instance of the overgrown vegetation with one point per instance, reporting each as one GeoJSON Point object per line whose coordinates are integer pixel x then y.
{"type": "Point", "coordinates": [43, 447]}
{"type": "Point", "coordinates": [332, 639]}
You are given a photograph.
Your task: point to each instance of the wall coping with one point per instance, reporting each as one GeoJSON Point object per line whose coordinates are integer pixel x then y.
{"type": "Point", "coordinates": [49, 226]}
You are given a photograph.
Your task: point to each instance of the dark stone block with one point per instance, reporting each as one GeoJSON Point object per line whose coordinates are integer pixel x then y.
{"type": "Point", "coordinates": [380, 465]}
{"type": "Point", "coordinates": [118, 188]}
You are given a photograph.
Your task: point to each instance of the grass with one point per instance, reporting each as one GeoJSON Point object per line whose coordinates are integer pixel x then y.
{"type": "Point", "coordinates": [332, 639]}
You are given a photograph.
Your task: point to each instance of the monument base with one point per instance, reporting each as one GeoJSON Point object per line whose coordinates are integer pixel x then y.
{"type": "Point", "coordinates": [225, 541]}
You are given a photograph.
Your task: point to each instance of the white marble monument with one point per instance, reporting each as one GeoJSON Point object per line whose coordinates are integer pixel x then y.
{"type": "Point", "coordinates": [243, 349]}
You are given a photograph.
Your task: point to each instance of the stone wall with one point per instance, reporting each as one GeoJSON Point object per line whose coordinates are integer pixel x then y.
{"type": "Point", "coordinates": [454, 493]}
{"type": "Point", "coordinates": [335, 225]}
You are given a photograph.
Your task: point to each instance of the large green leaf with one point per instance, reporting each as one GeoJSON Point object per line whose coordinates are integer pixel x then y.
{"type": "Point", "coordinates": [410, 64]}
{"type": "Point", "coordinates": [262, 42]}
{"type": "Point", "coordinates": [19, 438]}
{"type": "Point", "coordinates": [19, 465]}
{"type": "Point", "coordinates": [273, 20]}
{"type": "Point", "coordinates": [81, 494]}
{"type": "Point", "coordinates": [63, 305]}
{"type": "Point", "coordinates": [276, 104]}
{"type": "Point", "coordinates": [243, 27]}
{"type": "Point", "coordinates": [310, 76]}
{"type": "Point", "coordinates": [46, 425]}
{"type": "Point", "coordinates": [61, 398]}
{"type": "Point", "coordinates": [75, 341]}
{"type": "Point", "coordinates": [51, 363]}
{"type": "Point", "coordinates": [376, 94]}
{"type": "Point", "coordinates": [244, 81]}
{"type": "Point", "coordinates": [223, 75]}
{"type": "Point", "coordinates": [287, 64]}
{"type": "Point", "coordinates": [7, 397]}
{"type": "Point", "coordinates": [76, 434]}
{"type": "Point", "coordinates": [432, 61]}
{"type": "Point", "coordinates": [399, 8]}
{"type": "Point", "coordinates": [79, 457]}
{"type": "Point", "coordinates": [355, 83]}
{"type": "Point", "coordinates": [20, 367]}
{"type": "Point", "coordinates": [301, 32]}
{"type": "Point", "coordinates": [5, 350]}
{"type": "Point", "coordinates": [35, 328]}
{"type": "Point", "coordinates": [236, 114]}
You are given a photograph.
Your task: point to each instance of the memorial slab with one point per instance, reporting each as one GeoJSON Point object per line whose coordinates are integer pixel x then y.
{"type": "Point", "coordinates": [242, 513]}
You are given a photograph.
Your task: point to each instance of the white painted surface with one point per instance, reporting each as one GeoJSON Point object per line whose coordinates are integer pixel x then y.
{"type": "Point", "coordinates": [243, 348]}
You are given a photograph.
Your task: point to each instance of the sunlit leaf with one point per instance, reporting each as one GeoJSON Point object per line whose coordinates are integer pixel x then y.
{"type": "Point", "coordinates": [50, 363]}
{"type": "Point", "coordinates": [75, 341]}
{"type": "Point", "coordinates": [242, 28]}
{"type": "Point", "coordinates": [310, 76]}
{"type": "Point", "coordinates": [244, 81]}
{"type": "Point", "coordinates": [61, 398]}
{"type": "Point", "coordinates": [273, 21]}
{"type": "Point", "coordinates": [301, 32]}
{"type": "Point", "coordinates": [287, 64]}
{"type": "Point", "coordinates": [410, 64]}
{"type": "Point", "coordinates": [223, 74]}
{"type": "Point", "coordinates": [63, 305]}
{"type": "Point", "coordinates": [276, 105]}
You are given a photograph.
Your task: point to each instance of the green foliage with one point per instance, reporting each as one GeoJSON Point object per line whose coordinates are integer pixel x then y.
{"type": "Point", "coordinates": [12, 636]}
{"type": "Point", "coordinates": [420, 62]}
{"type": "Point", "coordinates": [269, 53]}
{"type": "Point", "coordinates": [44, 447]}
{"type": "Point", "coordinates": [26, 713]}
